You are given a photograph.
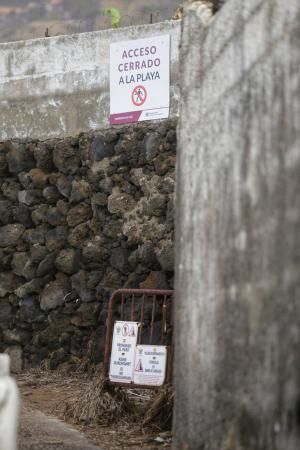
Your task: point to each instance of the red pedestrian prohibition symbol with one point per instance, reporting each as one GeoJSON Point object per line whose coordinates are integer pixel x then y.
{"type": "Point", "coordinates": [139, 95]}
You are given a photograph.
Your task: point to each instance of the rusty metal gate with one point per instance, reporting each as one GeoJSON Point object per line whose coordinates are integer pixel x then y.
{"type": "Point", "coordinates": [153, 308]}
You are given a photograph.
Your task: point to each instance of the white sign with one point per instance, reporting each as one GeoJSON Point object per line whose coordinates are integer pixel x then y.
{"type": "Point", "coordinates": [150, 365]}
{"type": "Point", "coordinates": [123, 352]}
{"type": "Point", "coordinates": [140, 80]}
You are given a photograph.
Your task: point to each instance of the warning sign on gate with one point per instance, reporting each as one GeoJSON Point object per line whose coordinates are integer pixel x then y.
{"type": "Point", "coordinates": [150, 365]}
{"type": "Point", "coordinates": [140, 80]}
{"type": "Point", "coordinates": [123, 352]}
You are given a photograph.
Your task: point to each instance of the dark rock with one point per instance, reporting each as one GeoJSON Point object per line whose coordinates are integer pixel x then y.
{"type": "Point", "coordinates": [22, 214]}
{"type": "Point", "coordinates": [153, 206]}
{"type": "Point", "coordinates": [35, 235]}
{"type": "Point", "coordinates": [23, 266]}
{"type": "Point", "coordinates": [56, 239]}
{"type": "Point", "coordinates": [78, 235]}
{"type": "Point", "coordinates": [113, 229]}
{"type": "Point", "coordinates": [3, 162]}
{"type": "Point", "coordinates": [6, 256]}
{"type": "Point", "coordinates": [10, 234]}
{"type": "Point", "coordinates": [80, 213]}
{"type": "Point", "coordinates": [152, 143]}
{"type": "Point", "coordinates": [47, 265]}
{"type": "Point", "coordinates": [15, 336]}
{"type": "Point", "coordinates": [39, 214]}
{"type": "Point", "coordinates": [86, 315]}
{"type": "Point", "coordinates": [56, 358]}
{"type": "Point", "coordinates": [30, 197]}
{"type": "Point", "coordinates": [64, 185]}
{"type": "Point", "coordinates": [43, 156]}
{"type": "Point", "coordinates": [30, 310]}
{"type": "Point", "coordinates": [68, 261]}
{"type": "Point", "coordinates": [38, 253]}
{"type": "Point", "coordinates": [51, 194]}
{"type": "Point", "coordinates": [94, 254]}
{"type": "Point", "coordinates": [55, 217]}
{"type": "Point", "coordinates": [10, 189]}
{"type": "Point", "coordinates": [144, 255]}
{"type": "Point", "coordinates": [119, 202]}
{"type": "Point", "coordinates": [19, 159]}
{"type": "Point", "coordinates": [119, 259]}
{"type": "Point", "coordinates": [54, 294]}
{"type": "Point", "coordinates": [81, 190]}
{"type": "Point", "coordinates": [163, 165]}
{"type": "Point", "coordinates": [8, 283]}
{"type": "Point", "coordinates": [165, 256]}
{"type": "Point", "coordinates": [66, 158]}
{"type": "Point", "coordinates": [6, 314]}
{"type": "Point", "coordinates": [31, 287]}
{"type": "Point", "coordinates": [100, 149]}
{"type": "Point", "coordinates": [96, 345]}
{"type": "Point", "coordinates": [5, 212]}
{"type": "Point", "coordinates": [80, 286]}
{"type": "Point", "coordinates": [38, 178]}
{"type": "Point", "coordinates": [155, 280]}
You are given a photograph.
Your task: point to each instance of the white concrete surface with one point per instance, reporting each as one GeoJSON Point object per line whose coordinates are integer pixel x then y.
{"type": "Point", "coordinates": [56, 87]}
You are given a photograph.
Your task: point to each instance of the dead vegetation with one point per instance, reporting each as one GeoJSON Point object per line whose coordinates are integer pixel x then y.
{"type": "Point", "coordinates": [108, 414]}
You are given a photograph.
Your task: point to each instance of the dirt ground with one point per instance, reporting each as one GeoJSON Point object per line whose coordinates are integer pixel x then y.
{"type": "Point", "coordinates": [47, 421]}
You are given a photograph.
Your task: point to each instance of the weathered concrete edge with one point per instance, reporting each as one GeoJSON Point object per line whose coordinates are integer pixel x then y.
{"type": "Point", "coordinates": [59, 87]}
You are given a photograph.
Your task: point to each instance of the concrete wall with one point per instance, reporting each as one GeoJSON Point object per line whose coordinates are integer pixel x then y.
{"type": "Point", "coordinates": [56, 87]}
{"type": "Point", "coordinates": [238, 263]}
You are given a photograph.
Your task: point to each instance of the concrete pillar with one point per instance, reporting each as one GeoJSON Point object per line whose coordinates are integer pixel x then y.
{"type": "Point", "coordinates": [237, 365]}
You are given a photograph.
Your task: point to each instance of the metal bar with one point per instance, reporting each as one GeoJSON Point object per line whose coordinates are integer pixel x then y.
{"type": "Point", "coordinates": [164, 322]}
{"type": "Point", "coordinates": [132, 307]}
{"type": "Point", "coordinates": [142, 318]}
{"type": "Point", "coordinates": [122, 306]}
{"type": "Point", "coordinates": [109, 332]}
{"type": "Point", "coordinates": [153, 318]}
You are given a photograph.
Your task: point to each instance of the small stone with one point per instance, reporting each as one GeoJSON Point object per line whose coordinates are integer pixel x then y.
{"type": "Point", "coordinates": [66, 158]}
{"type": "Point", "coordinates": [155, 280]}
{"type": "Point", "coordinates": [22, 214]}
{"type": "Point", "coordinates": [19, 159]}
{"type": "Point", "coordinates": [39, 214]}
{"type": "Point", "coordinates": [53, 295]}
{"type": "Point", "coordinates": [5, 212]}
{"type": "Point", "coordinates": [78, 234]}
{"type": "Point", "coordinates": [35, 235]}
{"type": "Point", "coordinates": [30, 197]}
{"type": "Point", "coordinates": [43, 156]}
{"type": "Point", "coordinates": [68, 261]}
{"type": "Point", "coordinates": [165, 256]}
{"type": "Point", "coordinates": [100, 149]}
{"type": "Point", "coordinates": [12, 337]}
{"type": "Point", "coordinates": [80, 213]}
{"type": "Point", "coordinates": [86, 315]}
{"type": "Point", "coordinates": [94, 254]}
{"type": "Point", "coordinates": [31, 287]}
{"type": "Point", "coordinates": [6, 314]}
{"type": "Point", "coordinates": [38, 177]}
{"type": "Point", "coordinates": [38, 253]}
{"type": "Point", "coordinates": [64, 185]}
{"type": "Point", "coordinates": [30, 310]}
{"type": "Point", "coordinates": [10, 234]}
{"type": "Point", "coordinates": [57, 358]}
{"type": "Point", "coordinates": [119, 259]}
{"type": "Point", "coordinates": [51, 194]}
{"type": "Point", "coordinates": [81, 190]}
{"type": "Point", "coordinates": [152, 142]}
{"type": "Point", "coordinates": [56, 239]}
{"type": "Point", "coordinates": [8, 283]}
{"type": "Point", "coordinates": [119, 202]}
{"type": "Point", "coordinates": [47, 265]}
{"type": "Point", "coordinates": [10, 189]}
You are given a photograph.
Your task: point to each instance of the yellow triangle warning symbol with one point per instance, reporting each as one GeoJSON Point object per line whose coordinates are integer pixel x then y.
{"type": "Point", "coordinates": [139, 366]}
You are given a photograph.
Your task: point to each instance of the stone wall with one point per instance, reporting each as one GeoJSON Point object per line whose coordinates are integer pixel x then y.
{"type": "Point", "coordinates": [237, 325]}
{"type": "Point", "coordinates": [81, 217]}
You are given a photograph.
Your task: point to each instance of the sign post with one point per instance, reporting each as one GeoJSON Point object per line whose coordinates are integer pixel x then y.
{"type": "Point", "coordinates": [140, 80]}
